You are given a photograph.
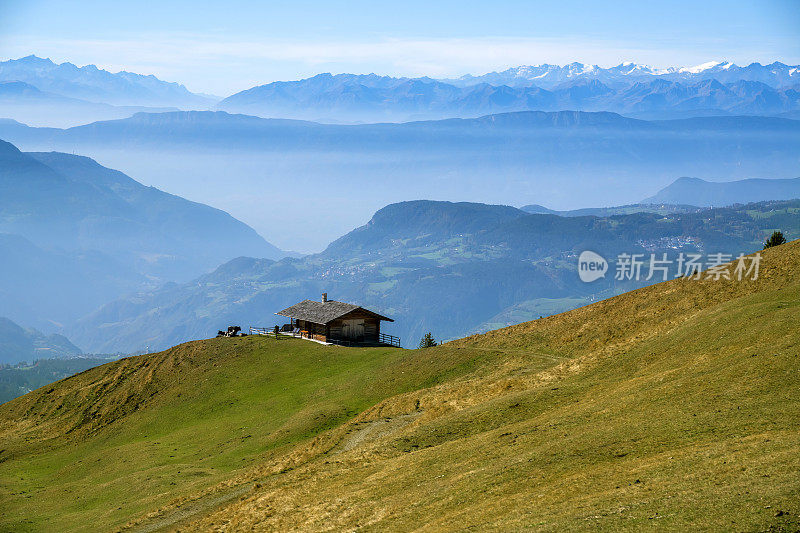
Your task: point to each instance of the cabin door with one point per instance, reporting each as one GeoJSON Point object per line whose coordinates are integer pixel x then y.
{"type": "Point", "coordinates": [353, 329]}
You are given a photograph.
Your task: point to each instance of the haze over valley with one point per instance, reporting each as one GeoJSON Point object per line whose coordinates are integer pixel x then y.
{"type": "Point", "coordinates": [273, 174]}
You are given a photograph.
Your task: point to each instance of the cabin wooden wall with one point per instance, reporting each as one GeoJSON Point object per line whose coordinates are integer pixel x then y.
{"type": "Point", "coordinates": [333, 331]}
{"type": "Point", "coordinates": [372, 326]}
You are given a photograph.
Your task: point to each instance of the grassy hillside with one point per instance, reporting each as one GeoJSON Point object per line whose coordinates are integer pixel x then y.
{"type": "Point", "coordinates": [673, 406]}
{"type": "Point", "coordinates": [115, 441]}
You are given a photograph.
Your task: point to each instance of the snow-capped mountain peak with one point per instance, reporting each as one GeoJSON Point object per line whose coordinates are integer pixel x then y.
{"type": "Point", "coordinates": [549, 76]}
{"type": "Point", "coordinates": [627, 68]}
{"type": "Point", "coordinates": [706, 66]}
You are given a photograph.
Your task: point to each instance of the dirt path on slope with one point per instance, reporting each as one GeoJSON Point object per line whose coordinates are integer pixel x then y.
{"type": "Point", "coordinates": [183, 514]}
{"type": "Point", "coordinates": [373, 430]}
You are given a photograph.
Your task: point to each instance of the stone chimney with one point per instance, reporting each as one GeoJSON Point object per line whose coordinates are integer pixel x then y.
{"type": "Point", "coordinates": [324, 297]}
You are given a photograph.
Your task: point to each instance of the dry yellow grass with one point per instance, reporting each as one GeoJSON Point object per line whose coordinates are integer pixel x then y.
{"type": "Point", "coordinates": [673, 407]}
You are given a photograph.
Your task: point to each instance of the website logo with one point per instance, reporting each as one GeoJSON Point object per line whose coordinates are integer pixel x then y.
{"type": "Point", "coordinates": [591, 266]}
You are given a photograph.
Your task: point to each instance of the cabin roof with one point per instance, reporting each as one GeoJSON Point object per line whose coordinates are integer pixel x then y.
{"type": "Point", "coordinates": [324, 312]}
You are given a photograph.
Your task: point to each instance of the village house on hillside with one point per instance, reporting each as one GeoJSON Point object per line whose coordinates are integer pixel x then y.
{"type": "Point", "coordinates": [338, 322]}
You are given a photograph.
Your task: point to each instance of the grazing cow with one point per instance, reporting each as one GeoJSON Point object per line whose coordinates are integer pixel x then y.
{"type": "Point", "coordinates": [233, 331]}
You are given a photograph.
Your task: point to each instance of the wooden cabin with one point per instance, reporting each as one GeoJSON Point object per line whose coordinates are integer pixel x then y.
{"type": "Point", "coordinates": [332, 321]}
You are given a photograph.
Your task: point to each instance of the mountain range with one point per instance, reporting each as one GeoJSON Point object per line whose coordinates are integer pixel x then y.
{"type": "Point", "coordinates": [687, 195]}
{"type": "Point", "coordinates": [79, 234]}
{"type": "Point", "coordinates": [304, 184]}
{"type": "Point", "coordinates": [19, 344]}
{"type": "Point", "coordinates": [775, 74]}
{"type": "Point", "coordinates": [352, 98]}
{"type": "Point", "coordinates": [26, 103]}
{"type": "Point", "coordinates": [699, 192]}
{"type": "Point", "coordinates": [481, 266]}
{"type": "Point", "coordinates": [97, 85]}
{"type": "Point", "coordinates": [50, 288]}
{"type": "Point", "coordinates": [40, 92]}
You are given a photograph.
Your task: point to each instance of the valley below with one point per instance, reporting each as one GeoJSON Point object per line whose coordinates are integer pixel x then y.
{"type": "Point", "coordinates": [480, 266]}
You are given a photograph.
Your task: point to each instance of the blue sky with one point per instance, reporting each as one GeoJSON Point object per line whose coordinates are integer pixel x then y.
{"type": "Point", "coordinates": [224, 47]}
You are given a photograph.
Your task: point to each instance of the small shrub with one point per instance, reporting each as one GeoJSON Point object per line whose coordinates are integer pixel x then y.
{"type": "Point", "coordinates": [427, 341]}
{"type": "Point", "coordinates": [776, 239]}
